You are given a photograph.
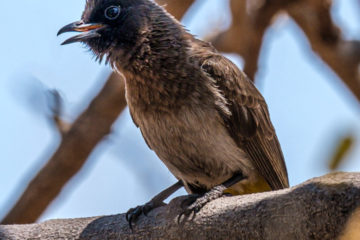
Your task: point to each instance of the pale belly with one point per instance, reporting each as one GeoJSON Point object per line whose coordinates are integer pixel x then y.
{"type": "Point", "coordinates": [194, 145]}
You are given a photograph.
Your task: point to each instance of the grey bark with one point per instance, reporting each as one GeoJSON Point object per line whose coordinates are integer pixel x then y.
{"type": "Point", "coordinates": [317, 209]}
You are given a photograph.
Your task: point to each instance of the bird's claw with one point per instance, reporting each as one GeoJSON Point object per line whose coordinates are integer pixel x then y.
{"type": "Point", "coordinates": [189, 200]}
{"type": "Point", "coordinates": [190, 206]}
{"type": "Point", "coordinates": [194, 203]}
{"type": "Point", "coordinates": [133, 214]}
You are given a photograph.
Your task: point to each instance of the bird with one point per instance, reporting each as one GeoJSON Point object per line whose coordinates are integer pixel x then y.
{"type": "Point", "coordinates": [201, 115]}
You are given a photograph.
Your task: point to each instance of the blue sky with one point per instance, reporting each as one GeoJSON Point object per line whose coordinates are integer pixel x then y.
{"type": "Point", "coordinates": [309, 106]}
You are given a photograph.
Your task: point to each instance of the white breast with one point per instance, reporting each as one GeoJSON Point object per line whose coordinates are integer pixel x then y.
{"type": "Point", "coordinates": [194, 144]}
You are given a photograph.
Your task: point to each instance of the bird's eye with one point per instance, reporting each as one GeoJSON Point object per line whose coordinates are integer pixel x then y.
{"type": "Point", "coordinates": [112, 12]}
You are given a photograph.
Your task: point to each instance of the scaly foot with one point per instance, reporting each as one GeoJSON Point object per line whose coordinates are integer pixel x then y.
{"type": "Point", "coordinates": [194, 203]}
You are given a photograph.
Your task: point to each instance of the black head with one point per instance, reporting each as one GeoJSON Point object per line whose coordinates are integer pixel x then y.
{"type": "Point", "coordinates": [110, 24]}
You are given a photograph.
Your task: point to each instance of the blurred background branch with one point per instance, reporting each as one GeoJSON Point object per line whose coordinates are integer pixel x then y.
{"type": "Point", "coordinates": [250, 19]}
{"type": "Point", "coordinates": [342, 56]}
{"type": "Point", "coordinates": [76, 145]}
{"type": "Point", "coordinates": [249, 24]}
{"type": "Point", "coordinates": [56, 112]}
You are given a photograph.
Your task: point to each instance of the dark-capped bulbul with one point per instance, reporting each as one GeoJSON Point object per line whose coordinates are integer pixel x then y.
{"type": "Point", "coordinates": [203, 117]}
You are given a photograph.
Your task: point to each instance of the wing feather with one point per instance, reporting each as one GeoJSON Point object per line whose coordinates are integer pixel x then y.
{"type": "Point", "coordinates": [249, 123]}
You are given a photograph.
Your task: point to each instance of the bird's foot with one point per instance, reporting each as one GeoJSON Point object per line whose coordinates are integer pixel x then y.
{"type": "Point", "coordinates": [133, 214]}
{"type": "Point", "coordinates": [194, 203]}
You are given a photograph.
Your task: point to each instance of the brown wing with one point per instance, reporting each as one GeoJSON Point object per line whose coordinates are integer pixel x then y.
{"type": "Point", "coordinates": [249, 122]}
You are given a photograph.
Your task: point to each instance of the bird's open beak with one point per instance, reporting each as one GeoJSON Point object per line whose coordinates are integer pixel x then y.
{"type": "Point", "coordinates": [89, 30]}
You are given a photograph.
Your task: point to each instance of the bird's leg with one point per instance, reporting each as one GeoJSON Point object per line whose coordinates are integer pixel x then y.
{"type": "Point", "coordinates": [195, 202]}
{"type": "Point", "coordinates": [158, 201]}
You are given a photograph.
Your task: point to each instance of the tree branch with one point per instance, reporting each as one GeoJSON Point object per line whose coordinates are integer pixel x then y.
{"type": "Point", "coordinates": [250, 19]}
{"type": "Point", "coordinates": [322, 208]}
{"type": "Point", "coordinates": [76, 145]}
{"type": "Point", "coordinates": [342, 56]}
